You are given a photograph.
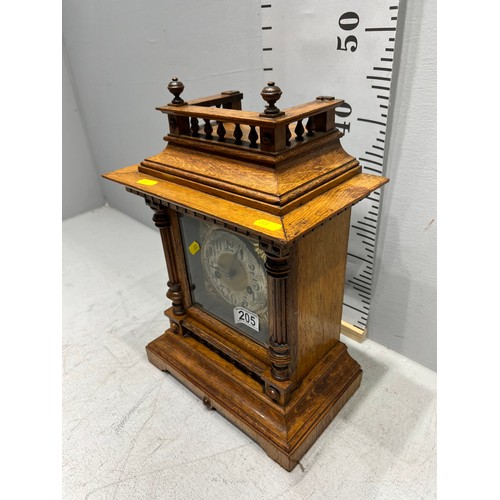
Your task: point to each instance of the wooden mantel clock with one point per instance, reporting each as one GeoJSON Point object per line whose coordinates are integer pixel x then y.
{"type": "Point", "coordinates": [253, 211]}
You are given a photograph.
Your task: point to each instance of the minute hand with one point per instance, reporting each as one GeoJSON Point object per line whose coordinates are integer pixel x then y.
{"type": "Point", "coordinates": [232, 266]}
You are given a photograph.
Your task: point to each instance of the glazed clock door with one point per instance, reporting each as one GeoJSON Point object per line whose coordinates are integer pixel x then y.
{"type": "Point", "coordinates": [227, 276]}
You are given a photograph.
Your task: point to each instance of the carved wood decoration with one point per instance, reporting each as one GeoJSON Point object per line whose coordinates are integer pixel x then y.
{"type": "Point", "coordinates": [277, 271]}
{"type": "Point", "coordinates": [252, 205]}
{"type": "Point", "coordinates": [162, 222]}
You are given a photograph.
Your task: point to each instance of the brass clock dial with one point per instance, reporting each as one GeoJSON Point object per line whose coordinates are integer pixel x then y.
{"type": "Point", "coordinates": [227, 276]}
{"type": "Point", "coordinates": [234, 271]}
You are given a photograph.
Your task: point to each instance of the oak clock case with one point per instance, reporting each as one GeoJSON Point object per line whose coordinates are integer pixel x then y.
{"type": "Point", "coordinates": [253, 211]}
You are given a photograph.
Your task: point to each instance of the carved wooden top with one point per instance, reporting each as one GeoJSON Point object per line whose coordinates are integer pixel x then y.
{"type": "Point", "coordinates": [286, 167]}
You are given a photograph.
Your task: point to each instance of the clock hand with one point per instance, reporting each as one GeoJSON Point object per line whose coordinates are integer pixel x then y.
{"type": "Point", "coordinates": [232, 266]}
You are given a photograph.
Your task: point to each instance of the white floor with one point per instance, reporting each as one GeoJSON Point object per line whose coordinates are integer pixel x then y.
{"type": "Point", "coordinates": [131, 431]}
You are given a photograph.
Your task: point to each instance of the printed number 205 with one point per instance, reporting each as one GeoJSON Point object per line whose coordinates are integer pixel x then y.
{"type": "Point", "coordinates": [248, 318]}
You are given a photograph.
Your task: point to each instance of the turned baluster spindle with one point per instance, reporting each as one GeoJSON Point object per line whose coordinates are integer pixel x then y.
{"type": "Point", "coordinates": [310, 127]}
{"type": "Point", "coordinates": [299, 131]}
{"type": "Point", "coordinates": [195, 127]}
{"type": "Point", "coordinates": [288, 135]}
{"type": "Point", "coordinates": [238, 134]}
{"type": "Point", "coordinates": [208, 129]}
{"type": "Point", "coordinates": [253, 136]}
{"type": "Point", "coordinates": [221, 132]}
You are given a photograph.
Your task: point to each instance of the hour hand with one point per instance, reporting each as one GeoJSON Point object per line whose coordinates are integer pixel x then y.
{"type": "Point", "coordinates": [219, 271]}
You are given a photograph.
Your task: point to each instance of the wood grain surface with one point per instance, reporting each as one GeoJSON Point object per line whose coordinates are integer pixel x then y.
{"type": "Point", "coordinates": [291, 185]}
{"type": "Point", "coordinates": [289, 227]}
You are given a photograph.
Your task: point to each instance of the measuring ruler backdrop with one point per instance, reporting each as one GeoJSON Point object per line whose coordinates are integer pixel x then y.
{"type": "Point", "coordinates": [343, 48]}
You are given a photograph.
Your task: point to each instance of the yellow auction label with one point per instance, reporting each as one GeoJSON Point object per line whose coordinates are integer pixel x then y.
{"type": "Point", "coordinates": [147, 182]}
{"type": "Point", "coordinates": [194, 247]}
{"type": "Point", "coordinates": [267, 224]}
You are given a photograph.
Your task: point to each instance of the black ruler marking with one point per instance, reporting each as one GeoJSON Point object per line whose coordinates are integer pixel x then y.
{"type": "Point", "coordinates": [371, 161]}
{"type": "Point", "coordinates": [360, 291]}
{"type": "Point", "coordinates": [352, 307]}
{"type": "Point", "coordinates": [361, 288]}
{"type": "Point", "coordinates": [374, 154]}
{"type": "Point", "coordinates": [380, 29]}
{"type": "Point", "coordinates": [367, 237]}
{"type": "Point", "coordinates": [384, 78]}
{"type": "Point", "coordinates": [363, 229]}
{"type": "Point", "coordinates": [266, 28]}
{"type": "Point", "coordinates": [366, 223]}
{"type": "Point", "coordinates": [358, 257]}
{"type": "Point", "coordinates": [372, 121]}
{"type": "Point", "coordinates": [366, 227]}
{"type": "Point", "coordinates": [362, 281]}
{"type": "Point", "coordinates": [372, 169]}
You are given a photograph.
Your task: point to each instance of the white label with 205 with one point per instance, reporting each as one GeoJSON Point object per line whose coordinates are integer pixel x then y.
{"type": "Point", "coordinates": [242, 315]}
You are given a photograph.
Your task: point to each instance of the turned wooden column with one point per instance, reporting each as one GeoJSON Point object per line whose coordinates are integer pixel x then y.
{"type": "Point", "coordinates": [162, 221]}
{"type": "Point", "coordinates": [277, 272]}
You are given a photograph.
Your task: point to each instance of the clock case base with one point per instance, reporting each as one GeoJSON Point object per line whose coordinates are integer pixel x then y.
{"type": "Point", "coordinates": [284, 432]}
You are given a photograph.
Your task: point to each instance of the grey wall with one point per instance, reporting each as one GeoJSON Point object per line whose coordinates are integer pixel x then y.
{"type": "Point", "coordinates": [122, 55]}
{"type": "Point", "coordinates": [403, 314]}
{"type": "Point", "coordinates": [81, 188]}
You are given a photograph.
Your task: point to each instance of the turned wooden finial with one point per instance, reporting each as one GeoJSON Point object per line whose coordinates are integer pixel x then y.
{"type": "Point", "coordinates": [271, 94]}
{"type": "Point", "coordinates": [175, 87]}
